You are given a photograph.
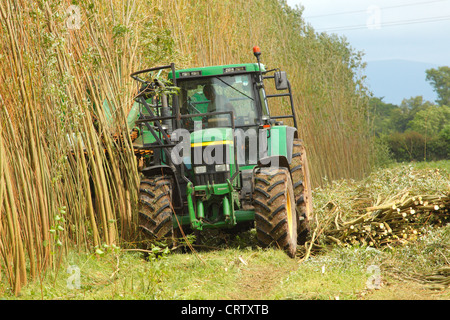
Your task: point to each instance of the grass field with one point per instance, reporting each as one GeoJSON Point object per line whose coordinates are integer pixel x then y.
{"type": "Point", "coordinates": [234, 268]}
{"type": "Point", "coordinates": [253, 274]}
{"type": "Point", "coordinates": [443, 164]}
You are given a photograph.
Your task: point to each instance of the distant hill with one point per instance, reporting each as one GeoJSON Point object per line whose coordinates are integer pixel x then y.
{"type": "Point", "coordinates": [396, 80]}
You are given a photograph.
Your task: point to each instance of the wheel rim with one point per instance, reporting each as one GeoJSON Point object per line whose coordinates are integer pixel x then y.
{"type": "Point", "coordinates": [289, 215]}
{"type": "Point", "coordinates": [307, 190]}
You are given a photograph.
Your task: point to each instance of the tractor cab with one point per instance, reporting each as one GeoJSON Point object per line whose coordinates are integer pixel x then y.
{"type": "Point", "coordinates": [221, 88]}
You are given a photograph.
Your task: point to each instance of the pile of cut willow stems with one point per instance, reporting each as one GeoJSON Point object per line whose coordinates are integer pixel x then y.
{"type": "Point", "coordinates": [395, 222]}
{"type": "Point", "coordinates": [392, 206]}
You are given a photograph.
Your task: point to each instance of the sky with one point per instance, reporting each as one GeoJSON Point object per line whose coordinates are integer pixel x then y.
{"type": "Point", "coordinates": [415, 30]}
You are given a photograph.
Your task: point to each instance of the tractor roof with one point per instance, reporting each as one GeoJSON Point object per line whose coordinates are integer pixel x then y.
{"type": "Point", "coordinates": [217, 70]}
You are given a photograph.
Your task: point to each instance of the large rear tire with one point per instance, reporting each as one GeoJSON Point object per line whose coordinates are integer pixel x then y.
{"type": "Point", "coordinates": [275, 213]}
{"type": "Point", "coordinates": [302, 190]}
{"type": "Point", "coordinates": [155, 208]}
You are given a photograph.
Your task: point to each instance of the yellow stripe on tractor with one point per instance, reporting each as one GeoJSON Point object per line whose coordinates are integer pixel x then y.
{"type": "Point", "coordinates": [210, 143]}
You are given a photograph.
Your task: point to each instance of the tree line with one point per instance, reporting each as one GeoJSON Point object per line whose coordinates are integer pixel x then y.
{"type": "Point", "coordinates": [416, 130]}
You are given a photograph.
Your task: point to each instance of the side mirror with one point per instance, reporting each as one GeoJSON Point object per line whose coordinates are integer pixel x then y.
{"type": "Point", "coordinates": [281, 81]}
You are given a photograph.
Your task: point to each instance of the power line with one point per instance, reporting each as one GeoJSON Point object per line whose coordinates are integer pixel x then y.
{"type": "Point", "coordinates": [384, 8]}
{"type": "Point", "coordinates": [387, 24]}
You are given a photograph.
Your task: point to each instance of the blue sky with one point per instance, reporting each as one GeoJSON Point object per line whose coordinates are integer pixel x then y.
{"type": "Point", "coordinates": [414, 30]}
{"type": "Point", "coordinates": [388, 31]}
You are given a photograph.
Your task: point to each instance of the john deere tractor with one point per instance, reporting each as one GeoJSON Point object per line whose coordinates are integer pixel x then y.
{"type": "Point", "coordinates": [212, 156]}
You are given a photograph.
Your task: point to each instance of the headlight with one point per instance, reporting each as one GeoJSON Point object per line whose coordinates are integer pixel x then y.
{"type": "Point", "coordinates": [201, 169]}
{"type": "Point", "coordinates": [222, 167]}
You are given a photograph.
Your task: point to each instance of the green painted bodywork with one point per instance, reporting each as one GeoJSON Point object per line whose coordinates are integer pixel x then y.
{"type": "Point", "coordinates": [218, 70]}
{"type": "Point", "coordinates": [202, 197]}
{"type": "Point", "coordinates": [212, 196]}
{"type": "Point", "coordinates": [133, 115]}
{"type": "Point", "coordinates": [277, 141]}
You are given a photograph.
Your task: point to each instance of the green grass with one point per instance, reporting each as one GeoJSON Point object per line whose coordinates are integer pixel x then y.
{"type": "Point", "coordinates": [235, 274]}
{"type": "Point", "coordinates": [224, 274]}
{"type": "Point", "coordinates": [443, 164]}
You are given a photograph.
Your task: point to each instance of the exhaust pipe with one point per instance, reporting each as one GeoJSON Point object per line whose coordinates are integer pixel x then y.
{"type": "Point", "coordinates": [165, 110]}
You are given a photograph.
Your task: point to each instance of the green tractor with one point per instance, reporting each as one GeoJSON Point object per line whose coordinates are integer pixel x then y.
{"type": "Point", "coordinates": [212, 156]}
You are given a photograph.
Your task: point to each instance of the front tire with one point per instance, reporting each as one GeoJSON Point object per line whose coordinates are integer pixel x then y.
{"type": "Point", "coordinates": [155, 208]}
{"type": "Point", "coordinates": [275, 212]}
